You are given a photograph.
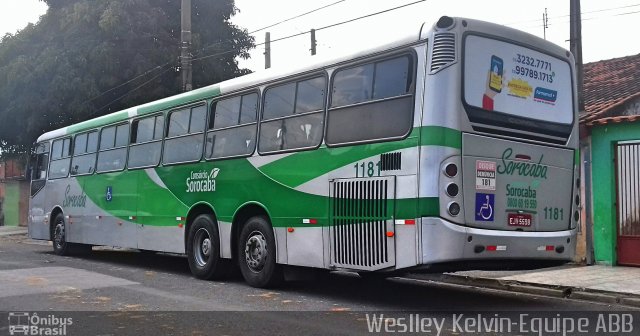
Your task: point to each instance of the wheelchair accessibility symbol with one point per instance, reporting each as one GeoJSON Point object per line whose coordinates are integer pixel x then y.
{"type": "Point", "coordinates": [484, 207]}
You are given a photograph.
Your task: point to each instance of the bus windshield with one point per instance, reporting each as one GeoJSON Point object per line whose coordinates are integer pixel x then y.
{"type": "Point", "coordinates": [515, 80]}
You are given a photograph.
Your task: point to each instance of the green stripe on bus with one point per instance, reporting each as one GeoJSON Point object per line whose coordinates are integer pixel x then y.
{"type": "Point", "coordinates": [428, 207]}
{"type": "Point", "coordinates": [325, 160]}
{"type": "Point", "coordinates": [97, 122]}
{"type": "Point", "coordinates": [183, 99]}
{"type": "Point", "coordinates": [440, 136]}
{"type": "Point", "coordinates": [163, 104]}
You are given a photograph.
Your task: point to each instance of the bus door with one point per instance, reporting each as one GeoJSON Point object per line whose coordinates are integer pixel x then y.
{"type": "Point", "coordinates": [38, 224]}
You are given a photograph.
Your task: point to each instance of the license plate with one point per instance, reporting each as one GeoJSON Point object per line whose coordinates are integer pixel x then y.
{"type": "Point", "coordinates": [519, 219]}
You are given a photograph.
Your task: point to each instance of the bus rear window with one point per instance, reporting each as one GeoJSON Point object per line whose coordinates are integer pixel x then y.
{"type": "Point", "coordinates": [515, 80]}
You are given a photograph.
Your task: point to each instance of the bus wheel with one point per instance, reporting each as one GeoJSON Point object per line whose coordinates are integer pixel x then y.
{"type": "Point", "coordinates": [203, 250]}
{"type": "Point", "coordinates": [257, 254]}
{"type": "Point", "coordinates": [60, 245]}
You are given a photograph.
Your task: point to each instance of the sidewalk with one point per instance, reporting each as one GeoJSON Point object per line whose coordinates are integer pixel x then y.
{"type": "Point", "coordinates": [606, 284]}
{"type": "Point", "coordinates": [12, 230]}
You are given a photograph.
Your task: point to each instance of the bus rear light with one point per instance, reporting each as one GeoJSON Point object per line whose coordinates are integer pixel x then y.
{"type": "Point", "coordinates": [546, 248]}
{"type": "Point", "coordinates": [451, 170]}
{"type": "Point", "coordinates": [390, 234]}
{"type": "Point", "coordinates": [310, 221]}
{"type": "Point", "coordinates": [180, 225]}
{"type": "Point", "coordinates": [290, 229]}
{"type": "Point", "coordinates": [180, 218]}
{"type": "Point", "coordinates": [493, 248]}
{"type": "Point", "coordinates": [452, 190]}
{"type": "Point", "coordinates": [453, 208]}
{"type": "Point", "coordinates": [132, 217]}
{"type": "Point", "coordinates": [405, 222]}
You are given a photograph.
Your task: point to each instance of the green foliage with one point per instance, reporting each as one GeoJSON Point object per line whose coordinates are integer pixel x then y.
{"type": "Point", "coordinates": [52, 73]}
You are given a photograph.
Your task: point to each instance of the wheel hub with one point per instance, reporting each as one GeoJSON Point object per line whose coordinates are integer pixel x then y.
{"type": "Point", "coordinates": [58, 235]}
{"type": "Point", "coordinates": [206, 247]}
{"type": "Point", "coordinates": [202, 247]}
{"type": "Point", "coordinates": [256, 252]}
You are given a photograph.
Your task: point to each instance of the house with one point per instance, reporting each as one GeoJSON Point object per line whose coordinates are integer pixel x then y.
{"type": "Point", "coordinates": [610, 146]}
{"type": "Point", "coordinates": [14, 192]}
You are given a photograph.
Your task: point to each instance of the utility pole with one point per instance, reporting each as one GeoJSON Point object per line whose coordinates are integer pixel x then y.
{"type": "Point", "coordinates": [267, 50]}
{"type": "Point", "coordinates": [575, 39]}
{"type": "Point", "coordinates": [545, 23]}
{"type": "Point", "coordinates": [313, 42]}
{"type": "Point", "coordinates": [185, 46]}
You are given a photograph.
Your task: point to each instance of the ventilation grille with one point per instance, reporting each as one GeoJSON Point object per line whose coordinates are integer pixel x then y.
{"type": "Point", "coordinates": [391, 161]}
{"type": "Point", "coordinates": [444, 51]}
{"type": "Point", "coordinates": [362, 214]}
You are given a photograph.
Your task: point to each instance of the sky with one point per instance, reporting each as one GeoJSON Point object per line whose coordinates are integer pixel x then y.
{"type": "Point", "coordinates": [608, 28]}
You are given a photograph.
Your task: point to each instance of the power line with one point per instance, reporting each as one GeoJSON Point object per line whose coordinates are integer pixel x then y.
{"type": "Point", "coordinates": [588, 12]}
{"type": "Point", "coordinates": [370, 15]}
{"type": "Point", "coordinates": [129, 81]}
{"type": "Point", "coordinates": [128, 92]}
{"type": "Point", "coordinates": [587, 19]}
{"type": "Point", "coordinates": [277, 23]}
{"type": "Point", "coordinates": [297, 16]}
{"type": "Point", "coordinates": [317, 29]}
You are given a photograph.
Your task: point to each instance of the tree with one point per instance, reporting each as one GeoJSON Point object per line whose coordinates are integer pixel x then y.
{"type": "Point", "coordinates": [68, 66]}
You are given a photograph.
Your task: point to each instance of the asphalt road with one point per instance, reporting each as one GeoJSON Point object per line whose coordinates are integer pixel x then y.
{"type": "Point", "coordinates": [113, 292]}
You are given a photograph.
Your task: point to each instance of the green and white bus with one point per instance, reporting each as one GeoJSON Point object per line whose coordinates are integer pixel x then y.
{"type": "Point", "coordinates": [453, 146]}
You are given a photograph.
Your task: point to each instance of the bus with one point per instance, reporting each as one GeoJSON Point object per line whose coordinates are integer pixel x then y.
{"type": "Point", "coordinates": [451, 147]}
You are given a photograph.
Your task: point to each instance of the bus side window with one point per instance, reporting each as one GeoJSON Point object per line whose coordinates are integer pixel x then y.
{"type": "Point", "coordinates": [232, 127]}
{"type": "Point", "coordinates": [146, 142]}
{"type": "Point", "coordinates": [293, 116]}
{"type": "Point", "coordinates": [184, 140]}
{"type": "Point", "coordinates": [112, 153]}
{"type": "Point", "coordinates": [60, 158]}
{"type": "Point", "coordinates": [38, 167]}
{"type": "Point", "coordinates": [377, 97]}
{"type": "Point", "coordinates": [84, 153]}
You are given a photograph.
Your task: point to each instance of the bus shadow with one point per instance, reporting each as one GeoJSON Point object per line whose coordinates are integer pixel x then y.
{"type": "Point", "coordinates": [398, 293]}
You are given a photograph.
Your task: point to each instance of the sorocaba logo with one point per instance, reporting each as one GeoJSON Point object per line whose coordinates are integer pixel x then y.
{"type": "Point", "coordinates": [202, 181]}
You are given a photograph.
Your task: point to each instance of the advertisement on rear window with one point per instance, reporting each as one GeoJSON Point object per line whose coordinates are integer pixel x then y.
{"type": "Point", "coordinates": [512, 79]}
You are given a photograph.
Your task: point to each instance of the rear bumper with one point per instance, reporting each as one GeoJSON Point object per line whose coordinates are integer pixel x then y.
{"type": "Point", "coordinates": [443, 241]}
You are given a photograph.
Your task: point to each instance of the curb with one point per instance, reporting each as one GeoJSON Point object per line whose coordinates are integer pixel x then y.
{"type": "Point", "coordinates": [13, 232]}
{"type": "Point", "coordinates": [566, 292]}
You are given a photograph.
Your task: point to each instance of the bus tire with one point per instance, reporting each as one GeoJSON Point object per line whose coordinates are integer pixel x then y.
{"type": "Point", "coordinates": [61, 246]}
{"type": "Point", "coordinates": [257, 254]}
{"type": "Point", "coordinates": [203, 250]}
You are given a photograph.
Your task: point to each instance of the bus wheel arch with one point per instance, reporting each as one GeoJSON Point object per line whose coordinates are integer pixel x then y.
{"type": "Point", "coordinates": [61, 246]}
{"type": "Point", "coordinates": [195, 211]}
{"type": "Point", "coordinates": [254, 243]}
{"type": "Point", "coordinates": [241, 216]}
{"type": "Point", "coordinates": [52, 220]}
{"type": "Point", "coordinates": [202, 244]}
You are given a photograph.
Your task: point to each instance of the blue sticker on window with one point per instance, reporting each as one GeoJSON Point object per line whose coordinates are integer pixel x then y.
{"type": "Point", "coordinates": [484, 207]}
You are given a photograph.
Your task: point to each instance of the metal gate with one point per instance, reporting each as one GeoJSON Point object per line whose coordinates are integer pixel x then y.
{"type": "Point", "coordinates": [362, 229]}
{"type": "Point", "coordinates": [628, 202]}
